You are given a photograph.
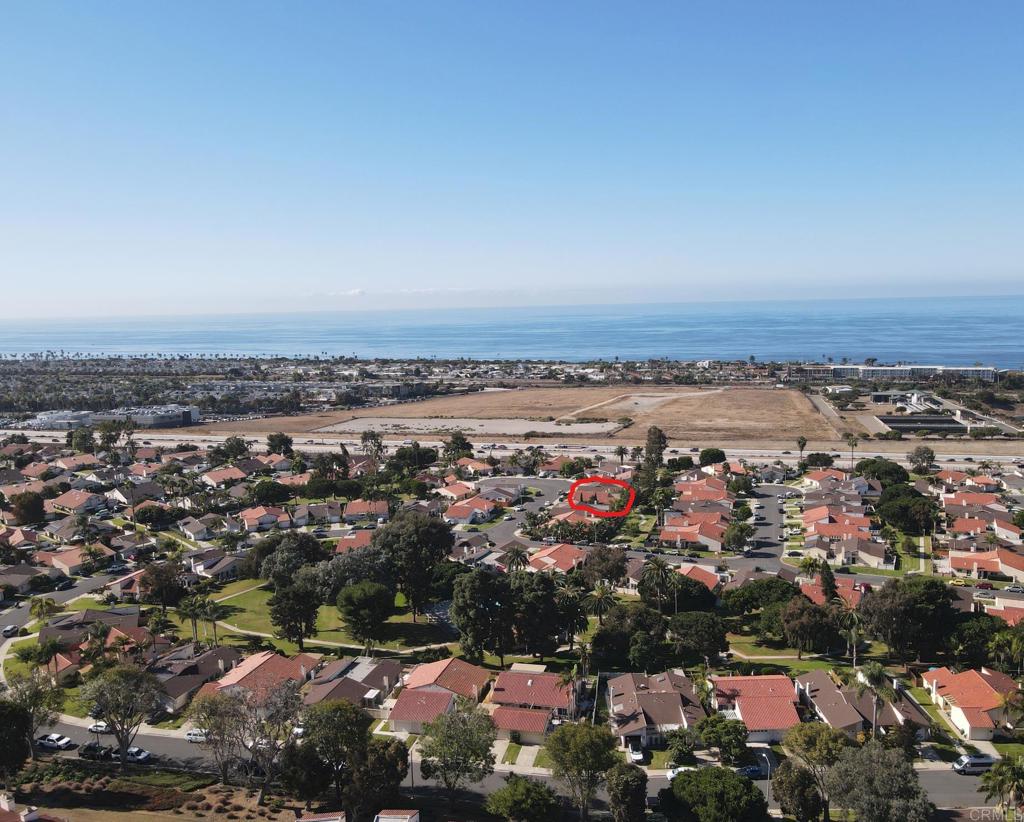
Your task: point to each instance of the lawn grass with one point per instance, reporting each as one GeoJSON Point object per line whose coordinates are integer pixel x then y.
{"type": "Point", "coordinates": [239, 585]}
{"type": "Point", "coordinates": [511, 754]}
{"type": "Point", "coordinates": [13, 665]}
{"type": "Point", "coordinates": [74, 704]}
{"type": "Point", "coordinates": [173, 723]}
{"type": "Point", "coordinates": [250, 611]}
{"type": "Point", "coordinates": [1010, 750]}
{"type": "Point", "coordinates": [186, 782]}
{"type": "Point", "coordinates": [542, 760]}
{"type": "Point", "coordinates": [660, 760]}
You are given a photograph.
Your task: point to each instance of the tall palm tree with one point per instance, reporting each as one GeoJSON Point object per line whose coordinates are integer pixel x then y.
{"type": "Point", "coordinates": [853, 442]}
{"type": "Point", "coordinates": [809, 566]}
{"type": "Point", "coordinates": [46, 652]}
{"type": "Point", "coordinates": [214, 612]}
{"type": "Point", "coordinates": [42, 608]}
{"type": "Point", "coordinates": [657, 575]}
{"type": "Point", "coordinates": [516, 558]}
{"type": "Point", "coordinates": [637, 452]}
{"type": "Point", "coordinates": [801, 443]}
{"type": "Point", "coordinates": [620, 452]}
{"type": "Point", "coordinates": [600, 601]}
{"type": "Point", "coordinates": [569, 680]}
{"type": "Point", "coordinates": [192, 609]}
{"type": "Point", "coordinates": [851, 629]}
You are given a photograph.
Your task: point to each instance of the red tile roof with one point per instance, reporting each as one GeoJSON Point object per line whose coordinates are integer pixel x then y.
{"type": "Point", "coordinates": [418, 705]}
{"type": "Point", "coordinates": [526, 720]}
{"type": "Point", "coordinates": [455, 675]}
{"type": "Point", "coordinates": [540, 690]}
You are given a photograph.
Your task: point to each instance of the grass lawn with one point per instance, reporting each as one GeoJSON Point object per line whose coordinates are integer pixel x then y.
{"type": "Point", "coordinates": [13, 665]}
{"type": "Point", "coordinates": [74, 704]}
{"type": "Point", "coordinates": [239, 585]}
{"type": "Point", "coordinates": [84, 603]}
{"type": "Point", "coordinates": [250, 612]}
{"type": "Point", "coordinates": [542, 760]}
{"type": "Point", "coordinates": [881, 572]}
{"type": "Point", "coordinates": [170, 779]}
{"type": "Point", "coordinates": [660, 759]}
{"type": "Point", "coordinates": [381, 727]}
{"type": "Point", "coordinates": [1010, 750]}
{"type": "Point", "coordinates": [173, 723]}
{"type": "Point", "coordinates": [511, 754]}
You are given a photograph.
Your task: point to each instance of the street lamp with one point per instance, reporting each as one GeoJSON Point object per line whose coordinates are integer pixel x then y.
{"type": "Point", "coordinates": [768, 762]}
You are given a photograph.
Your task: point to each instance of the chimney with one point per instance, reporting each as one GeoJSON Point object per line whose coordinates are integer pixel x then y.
{"type": "Point", "coordinates": [387, 685]}
{"type": "Point", "coordinates": [220, 664]}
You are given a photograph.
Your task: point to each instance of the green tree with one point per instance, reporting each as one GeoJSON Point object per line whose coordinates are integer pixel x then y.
{"type": "Point", "coordinates": [124, 696]}
{"type": "Point", "coordinates": [878, 784]}
{"type": "Point", "coordinates": [627, 792]}
{"type": "Point", "coordinates": [713, 795]}
{"type": "Point", "coordinates": [737, 535]}
{"type": "Point", "coordinates": [483, 612]}
{"type": "Point", "coordinates": [698, 635]}
{"type": "Point", "coordinates": [797, 793]}
{"type": "Point", "coordinates": [711, 456]}
{"type": "Point", "coordinates": [921, 459]}
{"type": "Point", "coordinates": [728, 736]}
{"type": "Point", "coordinates": [366, 608]}
{"type": "Point", "coordinates": [807, 626]}
{"type": "Point", "coordinates": [456, 747]}
{"type": "Point", "coordinates": [600, 601]}
{"type": "Point", "coordinates": [304, 773]}
{"type": "Point", "coordinates": [681, 743]}
{"type": "Point", "coordinates": [818, 748]}
{"type": "Point", "coordinates": [522, 799]}
{"type": "Point", "coordinates": [581, 756]}
{"type": "Point", "coordinates": [161, 583]}
{"type": "Point", "coordinates": [293, 612]}
{"type": "Point", "coordinates": [41, 608]}
{"type": "Point", "coordinates": [1005, 781]}
{"type": "Point", "coordinates": [220, 716]}
{"type": "Point", "coordinates": [279, 443]}
{"type": "Point", "coordinates": [376, 777]}
{"type": "Point", "coordinates": [413, 544]}
{"type": "Point", "coordinates": [828, 581]}
{"type": "Point", "coordinates": [801, 443]}
{"type": "Point", "coordinates": [656, 578]}
{"type": "Point", "coordinates": [40, 699]}
{"type": "Point", "coordinates": [15, 744]}
{"type": "Point", "coordinates": [456, 447]}
{"type": "Point", "coordinates": [27, 508]}
{"type": "Point", "coordinates": [339, 732]}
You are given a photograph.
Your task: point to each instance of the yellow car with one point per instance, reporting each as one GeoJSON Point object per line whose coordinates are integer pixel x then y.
{"type": "Point", "coordinates": [960, 583]}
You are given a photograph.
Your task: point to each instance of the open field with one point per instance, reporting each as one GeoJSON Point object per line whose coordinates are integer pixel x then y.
{"type": "Point", "coordinates": [685, 413]}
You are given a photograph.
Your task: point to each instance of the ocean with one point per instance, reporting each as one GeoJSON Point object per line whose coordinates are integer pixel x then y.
{"type": "Point", "coordinates": [946, 330]}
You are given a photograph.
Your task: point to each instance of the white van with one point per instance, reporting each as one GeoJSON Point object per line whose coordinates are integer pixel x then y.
{"type": "Point", "coordinates": [973, 763]}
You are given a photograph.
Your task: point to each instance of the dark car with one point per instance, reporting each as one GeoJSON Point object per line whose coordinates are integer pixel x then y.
{"type": "Point", "coordinates": [985, 586]}
{"type": "Point", "coordinates": [94, 750]}
{"type": "Point", "coordinates": [65, 585]}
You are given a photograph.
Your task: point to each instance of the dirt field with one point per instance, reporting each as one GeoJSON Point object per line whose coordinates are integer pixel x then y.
{"type": "Point", "coordinates": [685, 414]}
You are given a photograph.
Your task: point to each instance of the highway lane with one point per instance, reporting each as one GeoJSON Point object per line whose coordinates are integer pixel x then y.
{"type": "Point", "coordinates": [319, 443]}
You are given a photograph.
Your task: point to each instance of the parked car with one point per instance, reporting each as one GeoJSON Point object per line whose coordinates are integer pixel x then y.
{"type": "Point", "coordinates": [100, 727]}
{"type": "Point", "coordinates": [135, 754]}
{"type": "Point", "coordinates": [973, 764]}
{"type": "Point", "coordinates": [94, 750]}
{"type": "Point", "coordinates": [793, 554]}
{"type": "Point", "coordinates": [195, 735]}
{"type": "Point", "coordinates": [65, 585]}
{"type": "Point", "coordinates": [674, 772]}
{"type": "Point", "coordinates": [751, 771]}
{"type": "Point", "coordinates": [985, 586]}
{"type": "Point", "coordinates": [10, 630]}
{"type": "Point", "coordinates": [1014, 589]}
{"type": "Point", "coordinates": [960, 582]}
{"type": "Point", "coordinates": [54, 742]}
{"type": "Point", "coordinates": [636, 754]}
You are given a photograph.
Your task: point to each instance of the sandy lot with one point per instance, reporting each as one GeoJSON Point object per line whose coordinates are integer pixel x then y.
{"type": "Point", "coordinates": [686, 414]}
{"type": "Point", "coordinates": [501, 426]}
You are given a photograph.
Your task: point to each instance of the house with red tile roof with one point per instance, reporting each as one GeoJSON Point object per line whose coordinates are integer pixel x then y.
{"type": "Point", "coordinates": [476, 468]}
{"type": "Point", "coordinates": [980, 564]}
{"type": "Point", "coordinates": [531, 724]}
{"type": "Point", "coordinates": [353, 540]}
{"type": "Point", "coordinates": [262, 518]}
{"type": "Point", "coordinates": [452, 675]}
{"type": "Point", "coordinates": [972, 701]}
{"type": "Point", "coordinates": [822, 476]}
{"type": "Point", "coordinates": [766, 703]}
{"type": "Point", "coordinates": [358, 509]}
{"type": "Point", "coordinates": [844, 589]}
{"type": "Point", "coordinates": [261, 673]}
{"type": "Point", "coordinates": [561, 558]}
{"type": "Point", "coordinates": [71, 560]}
{"type": "Point", "coordinates": [415, 708]}
{"type": "Point", "coordinates": [705, 576]}
{"type": "Point", "coordinates": [708, 535]}
{"type": "Point", "coordinates": [77, 502]}
{"type": "Point", "coordinates": [533, 689]}
{"type": "Point", "coordinates": [222, 477]}
{"type": "Point", "coordinates": [456, 491]}
{"type": "Point", "coordinates": [472, 510]}
{"type": "Point", "coordinates": [967, 526]}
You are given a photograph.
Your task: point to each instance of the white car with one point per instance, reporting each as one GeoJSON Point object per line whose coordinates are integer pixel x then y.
{"type": "Point", "coordinates": [636, 754]}
{"type": "Point", "coordinates": [54, 742]}
{"type": "Point", "coordinates": [99, 728]}
{"type": "Point", "coordinates": [298, 731]}
{"type": "Point", "coordinates": [196, 735]}
{"type": "Point", "coordinates": [674, 772]}
{"type": "Point", "coordinates": [10, 630]}
{"type": "Point", "coordinates": [134, 754]}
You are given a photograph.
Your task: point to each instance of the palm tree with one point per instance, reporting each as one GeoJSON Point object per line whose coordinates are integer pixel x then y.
{"type": "Point", "coordinates": [851, 630]}
{"type": "Point", "coordinates": [214, 612]}
{"type": "Point", "coordinates": [620, 452]}
{"type": "Point", "coordinates": [95, 641]}
{"type": "Point", "coordinates": [192, 608]}
{"type": "Point", "coordinates": [809, 566]}
{"type": "Point", "coordinates": [574, 618]}
{"type": "Point", "coordinates": [568, 679]}
{"type": "Point", "coordinates": [801, 443]}
{"type": "Point", "coordinates": [637, 452]}
{"type": "Point", "coordinates": [42, 608]}
{"type": "Point", "coordinates": [853, 442]}
{"type": "Point", "coordinates": [657, 575]}
{"type": "Point", "coordinates": [516, 558]}
{"type": "Point", "coordinates": [46, 652]}
{"type": "Point", "coordinates": [1005, 780]}
{"type": "Point", "coordinates": [600, 601]}
{"type": "Point", "coordinates": [873, 677]}
{"type": "Point", "coordinates": [584, 652]}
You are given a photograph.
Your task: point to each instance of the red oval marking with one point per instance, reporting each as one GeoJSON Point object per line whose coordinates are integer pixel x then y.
{"type": "Point", "coordinates": [581, 506]}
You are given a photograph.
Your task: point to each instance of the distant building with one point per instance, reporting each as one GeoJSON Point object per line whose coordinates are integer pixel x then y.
{"type": "Point", "coordinates": [896, 372]}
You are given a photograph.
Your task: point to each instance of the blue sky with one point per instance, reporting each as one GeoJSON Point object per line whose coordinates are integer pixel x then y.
{"type": "Point", "coordinates": [218, 157]}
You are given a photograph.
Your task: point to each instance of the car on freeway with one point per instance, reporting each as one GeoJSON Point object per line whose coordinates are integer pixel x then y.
{"type": "Point", "coordinates": [100, 727]}
{"type": "Point", "coordinates": [195, 735]}
{"type": "Point", "coordinates": [135, 754]}
{"type": "Point", "coordinates": [94, 750]}
{"type": "Point", "coordinates": [54, 742]}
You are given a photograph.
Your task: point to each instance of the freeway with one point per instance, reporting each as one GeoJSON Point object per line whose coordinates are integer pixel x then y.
{"type": "Point", "coordinates": [603, 449]}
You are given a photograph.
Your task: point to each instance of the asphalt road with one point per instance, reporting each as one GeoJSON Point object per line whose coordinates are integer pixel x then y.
{"type": "Point", "coordinates": [83, 585]}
